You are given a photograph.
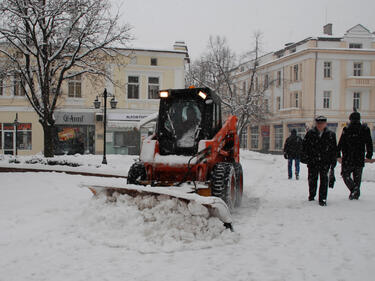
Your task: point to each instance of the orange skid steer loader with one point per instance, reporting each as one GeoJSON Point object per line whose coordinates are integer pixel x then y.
{"type": "Point", "coordinates": [192, 156]}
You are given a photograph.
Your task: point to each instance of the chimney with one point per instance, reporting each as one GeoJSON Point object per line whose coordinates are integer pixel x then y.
{"type": "Point", "coordinates": [327, 29]}
{"type": "Point", "coordinates": [180, 46]}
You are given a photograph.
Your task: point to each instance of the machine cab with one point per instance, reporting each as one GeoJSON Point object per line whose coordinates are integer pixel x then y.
{"type": "Point", "coordinates": [187, 116]}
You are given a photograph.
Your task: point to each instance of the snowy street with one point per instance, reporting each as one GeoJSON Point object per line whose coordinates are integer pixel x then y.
{"type": "Point", "coordinates": [52, 229]}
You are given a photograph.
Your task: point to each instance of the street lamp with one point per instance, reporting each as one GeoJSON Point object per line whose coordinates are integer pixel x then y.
{"type": "Point", "coordinates": [113, 103]}
{"type": "Point", "coordinates": [16, 123]}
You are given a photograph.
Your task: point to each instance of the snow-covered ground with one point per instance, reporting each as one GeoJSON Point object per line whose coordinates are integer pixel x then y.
{"type": "Point", "coordinates": [51, 229]}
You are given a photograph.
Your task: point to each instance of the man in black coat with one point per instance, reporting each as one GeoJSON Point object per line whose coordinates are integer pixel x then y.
{"type": "Point", "coordinates": [292, 151]}
{"type": "Point", "coordinates": [355, 141]}
{"type": "Point", "coordinates": [319, 153]}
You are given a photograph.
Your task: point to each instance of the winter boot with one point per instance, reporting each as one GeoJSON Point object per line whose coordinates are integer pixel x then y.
{"type": "Point", "coordinates": [297, 177]}
{"type": "Point", "coordinates": [354, 195]}
{"type": "Point", "coordinates": [322, 203]}
{"type": "Point", "coordinates": [311, 198]}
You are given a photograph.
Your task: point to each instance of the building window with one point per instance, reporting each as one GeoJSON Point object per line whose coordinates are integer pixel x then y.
{"type": "Point", "coordinates": [244, 88]}
{"type": "Point", "coordinates": [327, 99]}
{"type": "Point", "coordinates": [279, 135]}
{"type": "Point", "coordinates": [278, 78]}
{"type": "Point", "coordinates": [243, 140]}
{"type": "Point", "coordinates": [154, 61]}
{"type": "Point", "coordinates": [1, 87]}
{"type": "Point", "coordinates": [119, 139]}
{"type": "Point", "coordinates": [75, 86]}
{"type": "Point", "coordinates": [24, 136]}
{"type": "Point", "coordinates": [266, 81]}
{"type": "Point", "coordinates": [153, 87]}
{"type": "Point", "coordinates": [266, 105]}
{"type": "Point", "coordinates": [278, 103]}
{"type": "Point", "coordinates": [133, 87]}
{"type": "Point", "coordinates": [295, 100]}
{"type": "Point", "coordinates": [357, 100]}
{"type": "Point", "coordinates": [254, 137]}
{"type": "Point", "coordinates": [18, 90]}
{"type": "Point", "coordinates": [295, 72]}
{"type": "Point", "coordinates": [357, 69]}
{"type": "Point", "coordinates": [327, 69]}
{"type": "Point", "coordinates": [256, 84]}
{"type": "Point", "coordinates": [355, 46]}
{"type": "Point", "coordinates": [300, 128]}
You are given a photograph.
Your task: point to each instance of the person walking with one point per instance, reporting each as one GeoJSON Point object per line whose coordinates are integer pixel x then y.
{"type": "Point", "coordinates": [319, 152]}
{"type": "Point", "coordinates": [355, 145]}
{"type": "Point", "coordinates": [292, 152]}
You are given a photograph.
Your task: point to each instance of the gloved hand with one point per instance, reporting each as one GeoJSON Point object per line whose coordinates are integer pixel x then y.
{"type": "Point", "coordinates": [285, 156]}
{"type": "Point", "coordinates": [332, 178]}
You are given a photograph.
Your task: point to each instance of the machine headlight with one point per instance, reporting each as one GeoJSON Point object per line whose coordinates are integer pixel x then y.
{"type": "Point", "coordinates": [163, 94]}
{"type": "Point", "coordinates": [202, 95]}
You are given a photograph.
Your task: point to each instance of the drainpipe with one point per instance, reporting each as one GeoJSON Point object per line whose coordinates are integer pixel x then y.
{"type": "Point", "coordinates": [316, 73]}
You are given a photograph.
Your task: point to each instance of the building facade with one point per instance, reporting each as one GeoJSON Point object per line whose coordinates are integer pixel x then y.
{"type": "Point", "coordinates": [324, 75]}
{"type": "Point", "coordinates": [137, 76]}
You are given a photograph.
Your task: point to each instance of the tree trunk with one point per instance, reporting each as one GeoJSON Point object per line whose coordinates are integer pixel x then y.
{"type": "Point", "coordinates": [49, 148]}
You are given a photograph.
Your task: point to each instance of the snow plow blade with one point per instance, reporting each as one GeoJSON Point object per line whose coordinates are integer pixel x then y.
{"type": "Point", "coordinates": [216, 206]}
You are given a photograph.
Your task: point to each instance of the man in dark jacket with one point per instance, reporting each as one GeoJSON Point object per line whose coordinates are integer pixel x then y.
{"type": "Point", "coordinates": [292, 151]}
{"type": "Point", "coordinates": [319, 153]}
{"type": "Point", "coordinates": [355, 141]}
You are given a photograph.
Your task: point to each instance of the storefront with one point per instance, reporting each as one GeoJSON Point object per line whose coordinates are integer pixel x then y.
{"type": "Point", "coordinates": [75, 133]}
{"type": "Point", "coordinates": [10, 136]}
{"type": "Point", "coordinates": [123, 136]}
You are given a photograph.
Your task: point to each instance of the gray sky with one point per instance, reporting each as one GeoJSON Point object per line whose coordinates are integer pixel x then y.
{"type": "Point", "coordinates": [158, 23]}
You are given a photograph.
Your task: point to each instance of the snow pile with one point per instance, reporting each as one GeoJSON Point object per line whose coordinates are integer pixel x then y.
{"type": "Point", "coordinates": [151, 224]}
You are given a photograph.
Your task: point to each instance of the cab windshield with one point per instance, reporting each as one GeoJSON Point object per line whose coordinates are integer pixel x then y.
{"type": "Point", "coordinates": [184, 122]}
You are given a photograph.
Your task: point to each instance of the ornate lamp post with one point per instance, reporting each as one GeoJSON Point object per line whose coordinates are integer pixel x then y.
{"type": "Point", "coordinates": [113, 103]}
{"type": "Point", "coordinates": [16, 123]}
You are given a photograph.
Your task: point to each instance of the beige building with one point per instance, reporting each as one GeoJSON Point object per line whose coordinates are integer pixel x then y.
{"type": "Point", "coordinates": [138, 76]}
{"type": "Point", "coordinates": [325, 75]}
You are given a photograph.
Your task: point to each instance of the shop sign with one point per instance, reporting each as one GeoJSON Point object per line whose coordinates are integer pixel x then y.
{"type": "Point", "coordinates": [75, 118]}
{"type": "Point", "coordinates": [265, 130]}
{"type": "Point", "coordinates": [8, 126]}
{"type": "Point", "coordinates": [127, 116]}
{"type": "Point", "coordinates": [295, 126]}
{"type": "Point", "coordinates": [20, 127]}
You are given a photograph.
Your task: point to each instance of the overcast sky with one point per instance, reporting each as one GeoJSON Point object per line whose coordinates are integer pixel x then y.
{"type": "Point", "coordinates": [158, 23]}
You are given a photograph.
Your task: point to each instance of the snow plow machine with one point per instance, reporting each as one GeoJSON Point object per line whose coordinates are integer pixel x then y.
{"type": "Point", "coordinates": [191, 156]}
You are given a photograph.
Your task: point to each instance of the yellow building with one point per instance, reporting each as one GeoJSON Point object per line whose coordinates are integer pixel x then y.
{"type": "Point", "coordinates": [325, 75]}
{"type": "Point", "coordinates": [138, 74]}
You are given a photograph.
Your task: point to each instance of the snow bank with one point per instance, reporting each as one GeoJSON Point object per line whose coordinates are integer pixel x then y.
{"type": "Point", "coordinates": [117, 164]}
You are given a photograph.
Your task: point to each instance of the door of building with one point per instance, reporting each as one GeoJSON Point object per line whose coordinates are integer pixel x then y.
{"type": "Point", "coordinates": [265, 130]}
{"type": "Point", "coordinates": [8, 142]}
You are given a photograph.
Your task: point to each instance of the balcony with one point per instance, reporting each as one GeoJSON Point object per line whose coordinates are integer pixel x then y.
{"type": "Point", "coordinates": [360, 81]}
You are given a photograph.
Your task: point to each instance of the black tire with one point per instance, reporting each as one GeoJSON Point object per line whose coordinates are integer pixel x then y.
{"type": "Point", "coordinates": [137, 173]}
{"type": "Point", "coordinates": [223, 183]}
{"type": "Point", "coordinates": [239, 184]}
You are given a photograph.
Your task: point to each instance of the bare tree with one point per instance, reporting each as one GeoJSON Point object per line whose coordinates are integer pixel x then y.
{"type": "Point", "coordinates": [46, 42]}
{"type": "Point", "coordinates": [218, 70]}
